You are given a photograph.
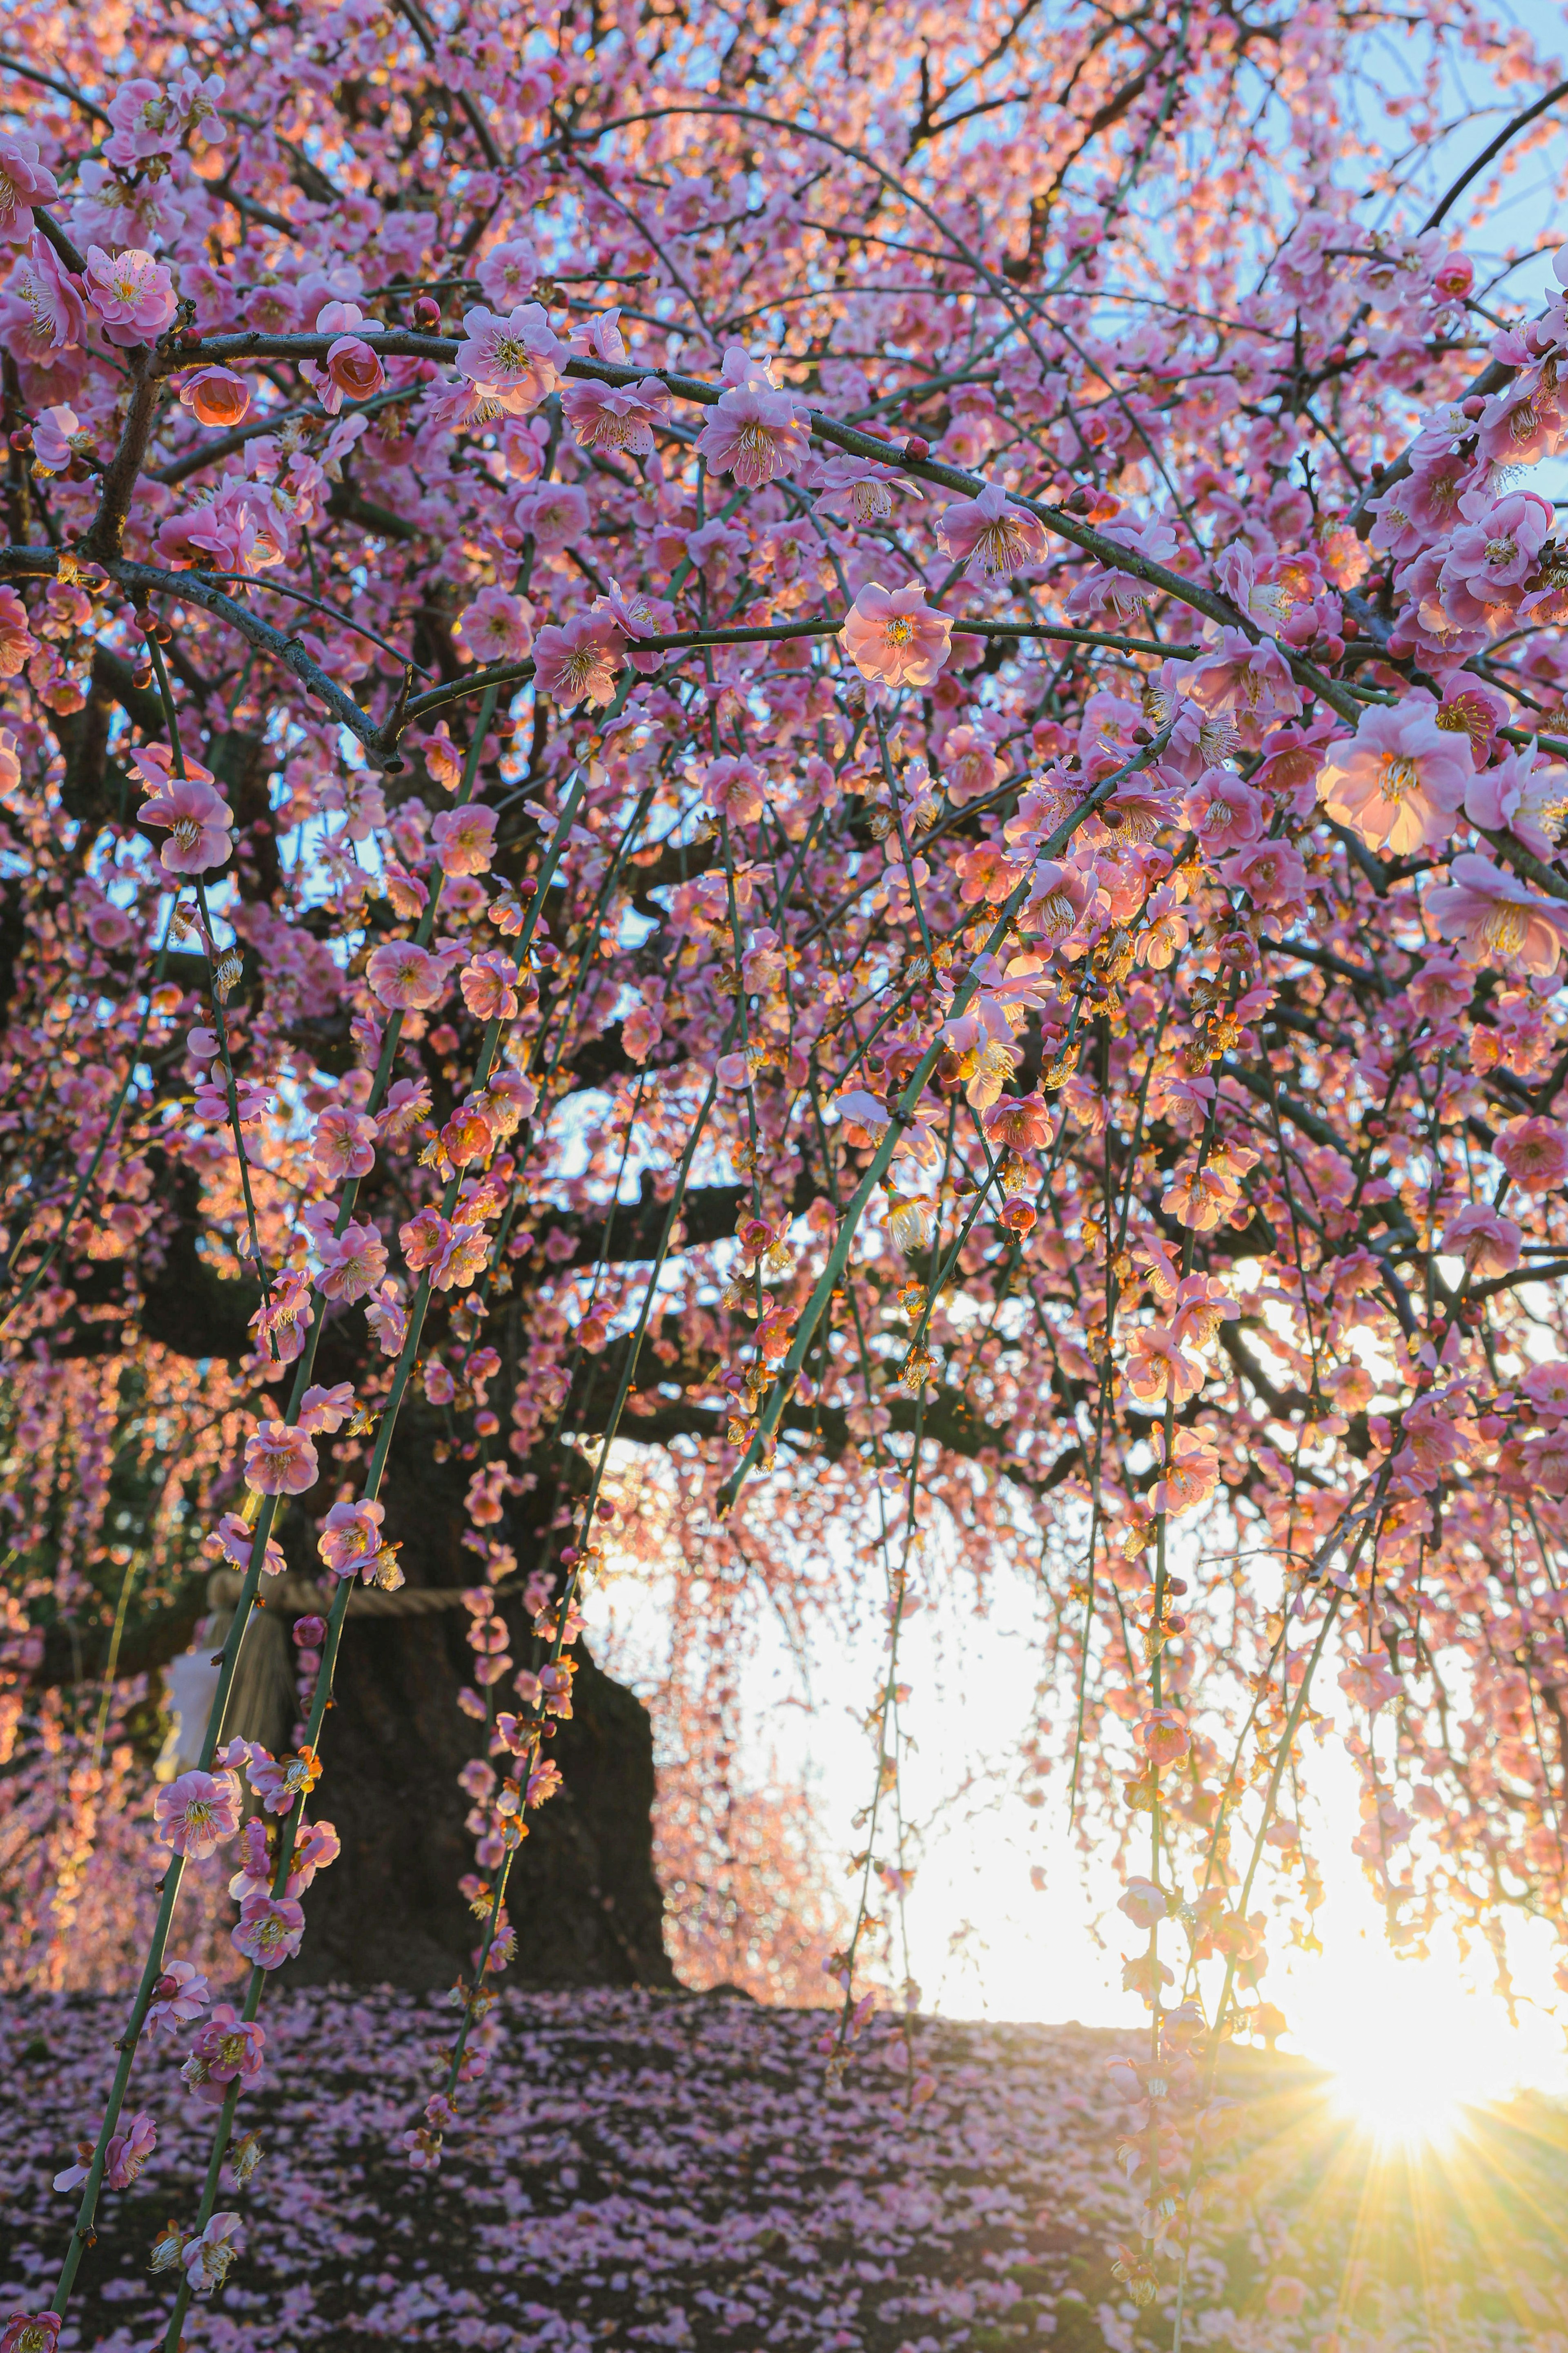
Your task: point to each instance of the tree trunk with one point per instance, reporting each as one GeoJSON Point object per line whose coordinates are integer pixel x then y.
{"type": "Point", "coordinates": [582, 1895]}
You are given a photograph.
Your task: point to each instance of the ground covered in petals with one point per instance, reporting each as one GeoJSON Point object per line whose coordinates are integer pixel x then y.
{"type": "Point", "coordinates": [653, 2171]}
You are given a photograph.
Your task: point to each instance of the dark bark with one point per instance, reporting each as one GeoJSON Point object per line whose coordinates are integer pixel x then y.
{"type": "Point", "coordinates": [582, 1897]}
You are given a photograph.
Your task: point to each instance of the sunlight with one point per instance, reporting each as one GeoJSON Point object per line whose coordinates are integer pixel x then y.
{"type": "Point", "coordinates": [1399, 2087]}
{"type": "Point", "coordinates": [1410, 2045]}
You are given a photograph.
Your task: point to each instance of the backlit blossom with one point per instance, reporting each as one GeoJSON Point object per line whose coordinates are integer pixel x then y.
{"type": "Point", "coordinates": [197, 1813]}
{"type": "Point", "coordinates": [351, 370]}
{"type": "Point", "coordinates": [514, 356]}
{"type": "Point", "coordinates": [1488, 1243]}
{"type": "Point", "coordinates": [24, 182]}
{"type": "Point", "coordinates": [131, 292]}
{"type": "Point", "coordinates": [351, 1537]}
{"type": "Point", "coordinates": [215, 395]}
{"type": "Point", "coordinates": [1534, 1151]}
{"type": "Point", "coordinates": [1158, 1368]}
{"type": "Point", "coordinates": [179, 1995]}
{"type": "Point", "coordinates": [280, 1460]}
{"type": "Point", "coordinates": [207, 2259]}
{"type": "Point", "coordinates": [1494, 919]}
{"type": "Point", "coordinates": [1401, 781]}
{"type": "Point", "coordinates": [343, 1145]}
{"type": "Point", "coordinates": [490, 986]}
{"type": "Point", "coordinates": [1191, 1476]}
{"type": "Point", "coordinates": [197, 819]}
{"type": "Point", "coordinates": [404, 976]}
{"type": "Point", "coordinates": [43, 290]}
{"type": "Point", "coordinates": [16, 640]}
{"type": "Point", "coordinates": [353, 1263]}
{"type": "Point", "coordinates": [464, 839]}
{"type": "Point", "coordinates": [497, 627]}
{"type": "Point", "coordinates": [989, 536]}
{"type": "Point", "coordinates": [269, 1932]}
{"type": "Point", "coordinates": [616, 417]}
{"type": "Point", "coordinates": [892, 636]}
{"type": "Point", "coordinates": [579, 661]}
{"type": "Point", "coordinates": [753, 434]}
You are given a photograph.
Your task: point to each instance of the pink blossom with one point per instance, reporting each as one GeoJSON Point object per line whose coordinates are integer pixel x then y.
{"type": "Point", "coordinates": [995, 536]}
{"type": "Point", "coordinates": [1271, 872]}
{"type": "Point", "coordinates": [970, 768]}
{"type": "Point", "coordinates": [1546, 1386]}
{"type": "Point", "coordinates": [1192, 1476]}
{"type": "Point", "coordinates": [871, 486]}
{"type": "Point", "coordinates": [50, 298]}
{"type": "Point", "coordinates": [146, 122]}
{"type": "Point", "coordinates": [268, 1931]}
{"type": "Point", "coordinates": [316, 1847]}
{"type": "Point", "coordinates": [508, 272]}
{"type": "Point", "coordinates": [198, 818]}
{"type": "Point", "coordinates": [423, 1237]}
{"type": "Point", "coordinates": [892, 636]}
{"type": "Point", "coordinates": [1158, 1368]}
{"type": "Point", "coordinates": [1522, 796]}
{"type": "Point", "coordinates": [279, 1459]}
{"type": "Point", "coordinates": [388, 1319]}
{"type": "Point", "coordinates": [579, 661]}
{"type": "Point", "coordinates": [343, 1145]}
{"type": "Point", "coordinates": [402, 975]}
{"type": "Point", "coordinates": [132, 293]}
{"type": "Point", "coordinates": [1476, 713]}
{"type": "Point", "coordinates": [224, 2050]}
{"type": "Point", "coordinates": [55, 437]}
{"type": "Point", "coordinates": [555, 516]}
{"type": "Point", "coordinates": [326, 1409]}
{"type": "Point", "coordinates": [754, 433]}
{"type": "Point", "coordinates": [516, 359]}
{"type": "Point", "coordinates": [207, 2259]}
{"type": "Point", "coordinates": [124, 2158]}
{"type": "Point", "coordinates": [1224, 812]}
{"type": "Point", "coordinates": [280, 1324]}
{"type": "Point", "coordinates": [352, 371]}
{"type": "Point", "coordinates": [1488, 1243]}
{"type": "Point", "coordinates": [254, 1876]}
{"type": "Point", "coordinates": [465, 838]}
{"type": "Point", "coordinates": [1400, 783]}
{"type": "Point", "coordinates": [353, 1263]}
{"type": "Point", "coordinates": [497, 627]}
{"type": "Point", "coordinates": [24, 182]}
{"type": "Point", "coordinates": [1491, 558]}
{"type": "Point", "coordinates": [616, 417]}
{"type": "Point", "coordinates": [351, 1537]}
{"type": "Point", "coordinates": [179, 1995]}
{"type": "Point", "coordinates": [215, 395]}
{"type": "Point", "coordinates": [1254, 680]}
{"type": "Point", "coordinates": [35, 2332]}
{"type": "Point", "coordinates": [1495, 919]}
{"type": "Point", "coordinates": [240, 530]}
{"type": "Point", "coordinates": [1534, 1152]}
{"type": "Point", "coordinates": [462, 1256]}
{"type": "Point", "coordinates": [490, 986]}
{"type": "Point", "coordinates": [15, 641]}
{"type": "Point", "coordinates": [197, 1812]}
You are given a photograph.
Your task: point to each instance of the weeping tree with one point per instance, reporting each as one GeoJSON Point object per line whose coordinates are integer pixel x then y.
{"type": "Point", "coordinates": [780, 813]}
